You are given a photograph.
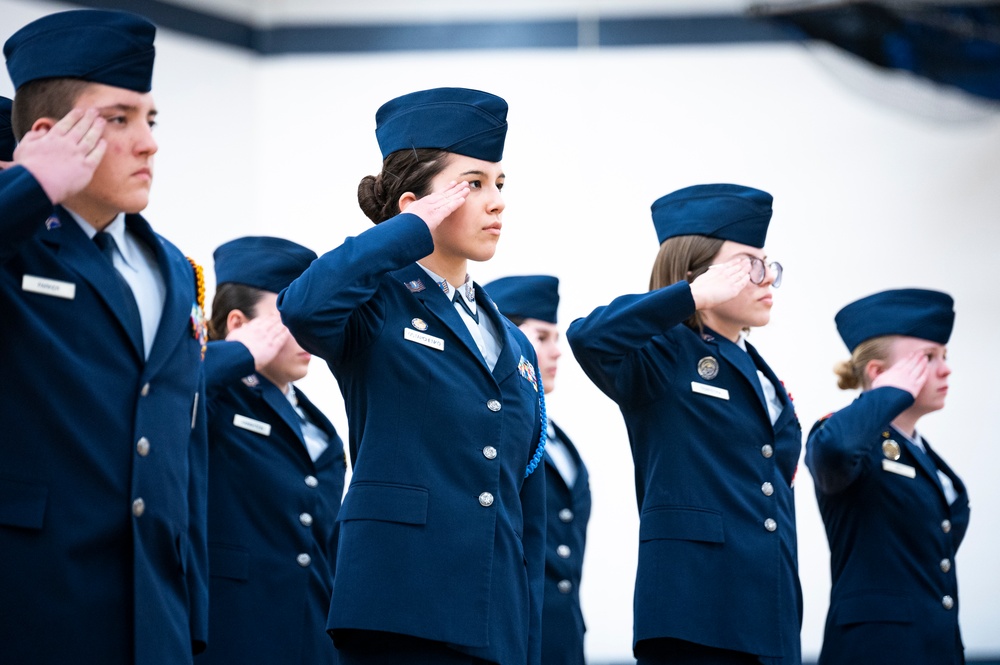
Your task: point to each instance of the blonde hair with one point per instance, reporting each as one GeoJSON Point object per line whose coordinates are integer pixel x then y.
{"type": "Point", "coordinates": [683, 258]}
{"type": "Point", "coordinates": [851, 373]}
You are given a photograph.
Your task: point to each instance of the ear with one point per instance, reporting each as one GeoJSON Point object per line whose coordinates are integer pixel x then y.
{"type": "Point", "coordinates": [405, 200]}
{"type": "Point", "coordinates": [236, 319]}
{"type": "Point", "coordinates": [873, 369]}
{"type": "Point", "coordinates": [43, 124]}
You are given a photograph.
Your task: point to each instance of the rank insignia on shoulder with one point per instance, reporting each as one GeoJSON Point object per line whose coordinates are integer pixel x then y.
{"type": "Point", "coordinates": [52, 223]}
{"type": "Point", "coordinates": [527, 370]}
{"type": "Point", "coordinates": [251, 381]}
{"type": "Point", "coordinates": [415, 286]}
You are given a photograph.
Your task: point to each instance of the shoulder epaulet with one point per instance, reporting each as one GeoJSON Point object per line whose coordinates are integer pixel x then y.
{"type": "Point", "coordinates": [199, 325]}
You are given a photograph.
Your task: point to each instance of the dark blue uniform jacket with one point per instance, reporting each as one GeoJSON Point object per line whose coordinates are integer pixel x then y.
{"type": "Point", "coordinates": [272, 513]}
{"type": "Point", "coordinates": [567, 513]}
{"type": "Point", "coordinates": [717, 550]}
{"type": "Point", "coordinates": [441, 535]}
{"type": "Point", "coordinates": [103, 457]}
{"type": "Point", "coordinates": [893, 538]}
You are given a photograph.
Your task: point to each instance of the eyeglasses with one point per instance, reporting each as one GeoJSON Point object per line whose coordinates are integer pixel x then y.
{"type": "Point", "coordinates": [758, 271]}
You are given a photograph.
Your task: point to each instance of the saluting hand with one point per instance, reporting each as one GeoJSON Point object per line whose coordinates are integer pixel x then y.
{"type": "Point", "coordinates": [909, 374]}
{"type": "Point", "coordinates": [434, 208]}
{"type": "Point", "coordinates": [263, 336]}
{"type": "Point", "coordinates": [63, 157]}
{"type": "Point", "coordinates": [721, 283]}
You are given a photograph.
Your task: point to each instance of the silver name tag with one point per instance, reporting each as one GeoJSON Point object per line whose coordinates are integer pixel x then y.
{"type": "Point", "coordinates": [711, 391]}
{"type": "Point", "coordinates": [48, 287]}
{"type": "Point", "coordinates": [423, 338]}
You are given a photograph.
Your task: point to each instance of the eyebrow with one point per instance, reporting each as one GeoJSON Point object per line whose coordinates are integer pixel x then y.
{"type": "Point", "coordinates": [482, 173]}
{"type": "Point", "coordinates": [126, 108]}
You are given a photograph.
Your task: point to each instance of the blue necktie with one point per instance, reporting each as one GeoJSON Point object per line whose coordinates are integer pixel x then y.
{"type": "Point", "coordinates": [106, 243]}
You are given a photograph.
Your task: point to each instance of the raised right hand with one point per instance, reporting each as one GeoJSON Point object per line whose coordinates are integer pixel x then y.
{"type": "Point", "coordinates": [435, 207]}
{"type": "Point", "coordinates": [909, 374]}
{"type": "Point", "coordinates": [263, 336]}
{"type": "Point", "coordinates": [63, 157]}
{"type": "Point", "coordinates": [721, 283]}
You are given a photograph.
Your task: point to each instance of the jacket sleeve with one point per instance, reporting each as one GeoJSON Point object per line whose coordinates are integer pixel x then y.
{"type": "Point", "coordinates": [226, 362]}
{"type": "Point", "coordinates": [614, 336]}
{"type": "Point", "coordinates": [838, 445]}
{"type": "Point", "coordinates": [335, 292]}
{"type": "Point", "coordinates": [23, 208]}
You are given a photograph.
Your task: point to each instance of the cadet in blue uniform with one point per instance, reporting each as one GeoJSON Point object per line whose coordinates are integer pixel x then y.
{"type": "Point", "coordinates": [713, 433]}
{"type": "Point", "coordinates": [531, 303]}
{"type": "Point", "coordinates": [276, 470]}
{"type": "Point", "coordinates": [103, 461]}
{"type": "Point", "coordinates": [894, 512]}
{"type": "Point", "coordinates": [442, 531]}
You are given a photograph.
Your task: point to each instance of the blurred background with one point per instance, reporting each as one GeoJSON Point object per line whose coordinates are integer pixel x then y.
{"type": "Point", "coordinates": [876, 126]}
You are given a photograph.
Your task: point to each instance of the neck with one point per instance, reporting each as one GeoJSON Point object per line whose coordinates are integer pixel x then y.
{"type": "Point", "coordinates": [906, 422]}
{"type": "Point", "coordinates": [730, 331]}
{"type": "Point", "coordinates": [452, 269]}
{"type": "Point", "coordinates": [280, 385]}
{"type": "Point", "coordinates": [99, 219]}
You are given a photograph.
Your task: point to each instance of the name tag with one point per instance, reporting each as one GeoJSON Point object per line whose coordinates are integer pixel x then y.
{"type": "Point", "coordinates": [896, 467]}
{"type": "Point", "coordinates": [711, 391]}
{"type": "Point", "coordinates": [423, 338]}
{"type": "Point", "coordinates": [48, 287]}
{"type": "Point", "coordinates": [252, 425]}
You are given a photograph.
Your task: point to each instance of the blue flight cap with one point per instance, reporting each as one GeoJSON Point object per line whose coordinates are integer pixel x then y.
{"type": "Point", "coordinates": [110, 47]}
{"type": "Point", "coordinates": [527, 297]}
{"type": "Point", "coordinates": [727, 212]}
{"type": "Point", "coordinates": [467, 122]}
{"type": "Point", "coordinates": [918, 313]}
{"type": "Point", "coordinates": [6, 133]}
{"type": "Point", "coordinates": [262, 262]}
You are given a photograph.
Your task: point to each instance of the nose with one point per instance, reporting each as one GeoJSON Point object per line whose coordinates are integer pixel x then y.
{"type": "Point", "coordinates": [145, 143]}
{"type": "Point", "coordinates": [944, 369]}
{"type": "Point", "coordinates": [496, 204]}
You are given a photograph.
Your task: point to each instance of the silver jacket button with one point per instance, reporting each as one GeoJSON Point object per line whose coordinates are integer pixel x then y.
{"type": "Point", "coordinates": [304, 560]}
{"type": "Point", "coordinates": [767, 489]}
{"type": "Point", "coordinates": [566, 515]}
{"type": "Point", "coordinates": [138, 507]}
{"type": "Point", "coordinates": [142, 446]}
{"type": "Point", "coordinates": [770, 524]}
{"type": "Point", "coordinates": [306, 519]}
{"type": "Point", "coordinates": [489, 452]}
{"type": "Point", "coordinates": [311, 481]}
{"type": "Point", "coordinates": [563, 551]}
{"type": "Point", "coordinates": [947, 602]}
{"type": "Point", "coordinates": [564, 586]}
{"type": "Point", "coordinates": [493, 405]}
{"type": "Point", "coordinates": [486, 499]}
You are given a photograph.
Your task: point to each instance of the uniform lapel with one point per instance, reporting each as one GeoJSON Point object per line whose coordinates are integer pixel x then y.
{"type": "Point", "coordinates": [81, 254]}
{"type": "Point", "coordinates": [923, 460]}
{"type": "Point", "coordinates": [787, 409]}
{"type": "Point", "coordinates": [317, 418]}
{"type": "Point", "coordinates": [440, 306]}
{"type": "Point", "coordinates": [741, 360]}
{"type": "Point", "coordinates": [177, 305]}
{"type": "Point", "coordinates": [506, 362]}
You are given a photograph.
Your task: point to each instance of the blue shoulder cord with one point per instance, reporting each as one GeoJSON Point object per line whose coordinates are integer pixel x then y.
{"type": "Point", "coordinates": [543, 437]}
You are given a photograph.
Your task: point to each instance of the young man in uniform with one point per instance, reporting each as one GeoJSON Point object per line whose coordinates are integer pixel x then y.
{"type": "Point", "coordinates": [103, 459]}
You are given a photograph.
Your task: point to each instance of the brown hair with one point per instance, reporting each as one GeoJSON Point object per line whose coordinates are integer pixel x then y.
{"type": "Point", "coordinates": [402, 171]}
{"type": "Point", "coordinates": [683, 258]}
{"type": "Point", "coordinates": [851, 373]}
{"type": "Point", "coordinates": [230, 296]}
{"type": "Point", "coordinates": [44, 98]}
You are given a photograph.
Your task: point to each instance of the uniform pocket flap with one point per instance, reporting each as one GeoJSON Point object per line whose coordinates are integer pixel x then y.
{"type": "Point", "coordinates": [385, 502]}
{"type": "Point", "coordinates": [879, 608]}
{"type": "Point", "coordinates": [22, 504]}
{"type": "Point", "coordinates": [681, 524]}
{"type": "Point", "coordinates": [228, 561]}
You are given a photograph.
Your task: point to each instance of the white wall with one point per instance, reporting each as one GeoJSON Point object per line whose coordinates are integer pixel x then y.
{"type": "Point", "coordinates": [867, 196]}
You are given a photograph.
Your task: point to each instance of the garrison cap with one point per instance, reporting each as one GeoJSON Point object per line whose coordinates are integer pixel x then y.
{"type": "Point", "coordinates": [728, 212]}
{"type": "Point", "coordinates": [917, 313]}
{"type": "Point", "coordinates": [262, 262]}
{"type": "Point", "coordinates": [459, 120]}
{"type": "Point", "coordinates": [528, 296]}
{"type": "Point", "coordinates": [110, 47]}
